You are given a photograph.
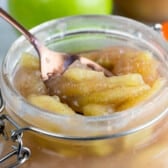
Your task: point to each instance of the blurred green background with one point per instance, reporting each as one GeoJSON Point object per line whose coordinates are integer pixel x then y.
{"type": "Point", "coordinates": [33, 12]}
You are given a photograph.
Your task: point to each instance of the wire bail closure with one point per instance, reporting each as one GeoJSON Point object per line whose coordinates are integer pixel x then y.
{"type": "Point", "coordinates": [20, 152]}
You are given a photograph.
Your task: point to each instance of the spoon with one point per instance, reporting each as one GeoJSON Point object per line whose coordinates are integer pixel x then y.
{"type": "Point", "coordinates": [51, 62]}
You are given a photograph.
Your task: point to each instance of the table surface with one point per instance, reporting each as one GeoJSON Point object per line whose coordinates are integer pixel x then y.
{"type": "Point", "coordinates": [7, 34]}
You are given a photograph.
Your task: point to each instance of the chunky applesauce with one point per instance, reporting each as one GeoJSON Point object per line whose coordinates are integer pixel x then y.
{"type": "Point", "coordinates": [80, 90]}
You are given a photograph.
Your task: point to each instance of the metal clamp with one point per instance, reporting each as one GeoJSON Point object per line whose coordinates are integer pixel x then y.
{"type": "Point", "coordinates": [20, 152]}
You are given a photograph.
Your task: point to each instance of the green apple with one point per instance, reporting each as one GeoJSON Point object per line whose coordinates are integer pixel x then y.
{"type": "Point", "coordinates": [33, 12]}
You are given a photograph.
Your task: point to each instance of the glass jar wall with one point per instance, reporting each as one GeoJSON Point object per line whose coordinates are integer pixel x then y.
{"type": "Point", "coordinates": [135, 137]}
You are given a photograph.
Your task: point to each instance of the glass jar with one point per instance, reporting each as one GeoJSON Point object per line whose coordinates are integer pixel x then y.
{"type": "Point", "coordinates": [136, 137]}
{"type": "Point", "coordinates": [150, 11]}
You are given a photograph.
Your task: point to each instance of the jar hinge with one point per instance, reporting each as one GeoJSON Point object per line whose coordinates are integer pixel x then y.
{"type": "Point", "coordinates": [21, 153]}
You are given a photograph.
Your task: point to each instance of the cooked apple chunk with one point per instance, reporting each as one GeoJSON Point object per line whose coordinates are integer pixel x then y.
{"type": "Point", "coordinates": [50, 103]}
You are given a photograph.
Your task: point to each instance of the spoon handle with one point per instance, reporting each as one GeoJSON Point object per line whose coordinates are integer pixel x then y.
{"type": "Point", "coordinates": [20, 28]}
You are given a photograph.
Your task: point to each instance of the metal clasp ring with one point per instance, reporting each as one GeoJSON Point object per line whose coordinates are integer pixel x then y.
{"type": "Point", "coordinates": [22, 153]}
